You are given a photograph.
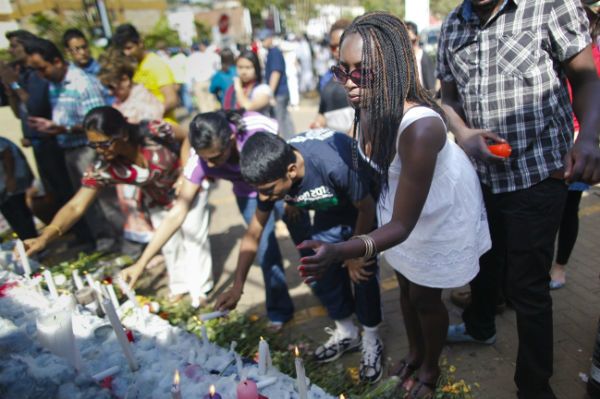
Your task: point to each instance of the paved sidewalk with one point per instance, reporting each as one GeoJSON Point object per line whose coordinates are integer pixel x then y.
{"type": "Point", "coordinates": [576, 307]}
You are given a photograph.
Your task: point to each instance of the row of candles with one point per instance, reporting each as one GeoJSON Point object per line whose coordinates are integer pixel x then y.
{"type": "Point", "coordinates": [246, 389]}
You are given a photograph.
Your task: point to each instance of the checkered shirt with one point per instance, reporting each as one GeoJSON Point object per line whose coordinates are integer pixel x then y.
{"type": "Point", "coordinates": [71, 100]}
{"type": "Point", "coordinates": [510, 81]}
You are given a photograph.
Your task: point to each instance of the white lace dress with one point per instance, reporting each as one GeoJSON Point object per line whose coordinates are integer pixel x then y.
{"type": "Point", "coordinates": [452, 232]}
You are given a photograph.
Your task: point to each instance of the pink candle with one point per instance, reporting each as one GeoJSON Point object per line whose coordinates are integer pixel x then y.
{"type": "Point", "coordinates": [247, 389]}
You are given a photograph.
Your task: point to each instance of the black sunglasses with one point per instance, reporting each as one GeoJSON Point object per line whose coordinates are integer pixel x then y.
{"type": "Point", "coordinates": [101, 144]}
{"type": "Point", "coordinates": [359, 76]}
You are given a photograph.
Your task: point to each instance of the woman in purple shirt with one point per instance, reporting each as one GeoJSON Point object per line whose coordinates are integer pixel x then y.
{"type": "Point", "coordinates": [216, 139]}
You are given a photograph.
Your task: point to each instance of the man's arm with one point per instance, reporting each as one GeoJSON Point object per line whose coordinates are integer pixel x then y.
{"type": "Point", "coordinates": [582, 162]}
{"type": "Point", "coordinates": [274, 80]}
{"type": "Point", "coordinates": [8, 162]}
{"type": "Point", "coordinates": [473, 141]}
{"type": "Point", "coordinates": [170, 94]}
{"type": "Point", "coordinates": [248, 248]}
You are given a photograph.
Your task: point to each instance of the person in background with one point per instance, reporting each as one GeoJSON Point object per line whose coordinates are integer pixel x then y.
{"type": "Point", "coordinates": [223, 78]}
{"type": "Point", "coordinates": [569, 223]}
{"type": "Point", "coordinates": [275, 76]}
{"type": "Point", "coordinates": [178, 61]}
{"type": "Point", "coordinates": [75, 42]}
{"type": "Point", "coordinates": [72, 94]}
{"type": "Point", "coordinates": [335, 111]}
{"type": "Point", "coordinates": [15, 179]}
{"type": "Point", "coordinates": [202, 65]}
{"type": "Point", "coordinates": [503, 67]}
{"type": "Point", "coordinates": [28, 95]}
{"type": "Point", "coordinates": [152, 71]}
{"type": "Point", "coordinates": [425, 64]}
{"type": "Point", "coordinates": [248, 91]}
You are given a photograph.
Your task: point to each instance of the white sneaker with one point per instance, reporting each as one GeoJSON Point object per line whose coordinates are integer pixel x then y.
{"type": "Point", "coordinates": [370, 362]}
{"type": "Point", "coordinates": [335, 346]}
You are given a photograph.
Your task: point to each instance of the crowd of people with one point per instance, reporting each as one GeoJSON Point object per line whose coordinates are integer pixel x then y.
{"type": "Point", "coordinates": [377, 170]}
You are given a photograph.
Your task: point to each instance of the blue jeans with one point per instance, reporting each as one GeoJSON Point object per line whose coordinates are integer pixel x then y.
{"type": "Point", "coordinates": [335, 289]}
{"type": "Point", "coordinates": [279, 303]}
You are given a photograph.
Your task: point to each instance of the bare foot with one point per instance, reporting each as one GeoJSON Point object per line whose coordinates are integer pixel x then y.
{"type": "Point", "coordinates": [558, 273]}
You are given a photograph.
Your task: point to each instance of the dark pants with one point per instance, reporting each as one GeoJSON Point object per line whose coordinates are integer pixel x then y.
{"type": "Point", "coordinates": [523, 226]}
{"type": "Point", "coordinates": [569, 227]}
{"type": "Point", "coordinates": [279, 303]}
{"type": "Point", "coordinates": [50, 160]}
{"type": "Point", "coordinates": [19, 216]}
{"type": "Point", "coordinates": [335, 289]}
{"type": "Point", "coordinates": [284, 119]}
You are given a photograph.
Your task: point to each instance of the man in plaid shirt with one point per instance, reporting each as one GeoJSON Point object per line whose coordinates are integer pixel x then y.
{"type": "Point", "coordinates": [503, 65]}
{"type": "Point", "coordinates": [72, 94]}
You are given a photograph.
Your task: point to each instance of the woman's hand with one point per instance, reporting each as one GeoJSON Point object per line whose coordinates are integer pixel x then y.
{"type": "Point", "coordinates": [356, 269]}
{"type": "Point", "coordinates": [32, 246]}
{"type": "Point", "coordinates": [132, 273]}
{"type": "Point", "coordinates": [237, 84]}
{"type": "Point", "coordinates": [312, 267]}
{"type": "Point", "coordinates": [229, 299]}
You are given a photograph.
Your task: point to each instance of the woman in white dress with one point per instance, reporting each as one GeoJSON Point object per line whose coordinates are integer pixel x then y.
{"type": "Point", "coordinates": [433, 226]}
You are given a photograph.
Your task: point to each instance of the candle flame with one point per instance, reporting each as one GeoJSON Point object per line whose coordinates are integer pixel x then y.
{"type": "Point", "coordinates": [342, 396]}
{"type": "Point", "coordinates": [176, 377]}
{"type": "Point", "coordinates": [212, 390]}
{"type": "Point", "coordinates": [296, 351]}
{"type": "Point", "coordinates": [261, 338]}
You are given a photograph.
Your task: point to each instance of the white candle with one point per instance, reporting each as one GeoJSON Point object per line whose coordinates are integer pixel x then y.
{"type": "Point", "coordinates": [264, 357]}
{"type": "Point", "coordinates": [103, 374]}
{"type": "Point", "coordinates": [266, 382]}
{"type": "Point", "coordinates": [50, 284]}
{"type": "Point", "coordinates": [77, 279]}
{"type": "Point", "coordinates": [23, 258]}
{"type": "Point", "coordinates": [118, 327]}
{"type": "Point", "coordinates": [90, 280]}
{"type": "Point", "coordinates": [300, 376]}
{"type": "Point", "coordinates": [55, 332]}
{"type": "Point", "coordinates": [239, 365]}
{"type": "Point", "coordinates": [128, 291]}
{"type": "Point", "coordinates": [112, 295]}
{"type": "Point", "coordinates": [213, 315]}
{"type": "Point", "coordinates": [175, 388]}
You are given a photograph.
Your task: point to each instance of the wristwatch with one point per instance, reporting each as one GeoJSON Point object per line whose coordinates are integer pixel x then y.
{"type": "Point", "coordinates": [15, 86]}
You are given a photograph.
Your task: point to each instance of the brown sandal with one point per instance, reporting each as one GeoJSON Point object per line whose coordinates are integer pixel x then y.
{"type": "Point", "coordinates": [416, 393]}
{"type": "Point", "coordinates": [404, 372]}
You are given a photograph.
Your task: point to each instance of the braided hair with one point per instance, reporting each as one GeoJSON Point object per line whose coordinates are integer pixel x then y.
{"type": "Point", "coordinates": [393, 79]}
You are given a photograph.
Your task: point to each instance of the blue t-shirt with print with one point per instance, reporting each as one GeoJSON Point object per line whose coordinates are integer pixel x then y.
{"type": "Point", "coordinates": [275, 62]}
{"type": "Point", "coordinates": [331, 184]}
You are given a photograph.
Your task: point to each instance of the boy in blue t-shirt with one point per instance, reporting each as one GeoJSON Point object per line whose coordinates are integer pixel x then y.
{"type": "Point", "coordinates": [315, 171]}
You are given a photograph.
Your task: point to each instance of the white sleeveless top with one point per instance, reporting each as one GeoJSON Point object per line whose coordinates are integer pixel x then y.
{"type": "Point", "coordinates": [452, 232]}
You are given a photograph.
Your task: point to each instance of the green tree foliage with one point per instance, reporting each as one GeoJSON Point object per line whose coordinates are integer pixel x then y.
{"type": "Point", "coordinates": [161, 36]}
{"type": "Point", "coordinates": [439, 8]}
{"type": "Point", "coordinates": [203, 31]}
{"type": "Point", "coordinates": [256, 6]}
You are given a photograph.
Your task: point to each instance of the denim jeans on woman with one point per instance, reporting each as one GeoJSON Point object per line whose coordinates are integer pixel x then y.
{"type": "Point", "coordinates": [279, 303]}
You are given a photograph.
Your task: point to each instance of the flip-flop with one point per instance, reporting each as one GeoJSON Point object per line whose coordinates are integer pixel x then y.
{"type": "Point", "coordinates": [555, 285]}
{"type": "Point", "coordinates": [414, 394]}
{"type": "Point", "coordinates": [405, 372]}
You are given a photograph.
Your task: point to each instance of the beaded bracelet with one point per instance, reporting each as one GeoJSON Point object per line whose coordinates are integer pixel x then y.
{"type": "Point", "coordinates": [370, 248]}
{"type": "Point", "coordinates": [58, 230]}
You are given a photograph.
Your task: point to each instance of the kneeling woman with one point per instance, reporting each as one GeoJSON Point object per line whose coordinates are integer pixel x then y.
{"type": "Point", "coordinates": [143, 155]}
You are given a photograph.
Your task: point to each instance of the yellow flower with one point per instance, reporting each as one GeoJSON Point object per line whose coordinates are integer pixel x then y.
{"type": "Point", "coordinates": [452, 369]}
{"type": "Point", "coordinates": [253, 317]}
{"type": "Point", "coordinates": [354, 374]}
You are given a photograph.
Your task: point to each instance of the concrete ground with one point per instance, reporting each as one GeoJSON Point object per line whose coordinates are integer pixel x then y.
{"type": "Point", "coordinates": [576, 307]}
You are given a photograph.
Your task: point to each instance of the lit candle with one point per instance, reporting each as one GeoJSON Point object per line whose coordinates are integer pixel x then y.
{"type": "Point", "coordinates": [247, 389]}
{"type": "Point", "coordinates": [238, 364]}
{"type": "Point", "coordinates": [342, 396]}
{"type": "Point", "coordinates": [212, 393]}
{"type": "Point", "coordinates": [120, 332]}
{"type": "Point", "coordinates": [23, 258]}
{"type": "Point", "coordinates": [50, 284]}
{"type": "Point", "coordinates": [175, 388]}
{"type": "Point", "coordinates": [77, 279]}
{"type": "Point", "coordinates": [264, 357]}
{"type": "Point", "coordinates": [300, 376]}
{"type": "Point", "coordinates": [213, 315]}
